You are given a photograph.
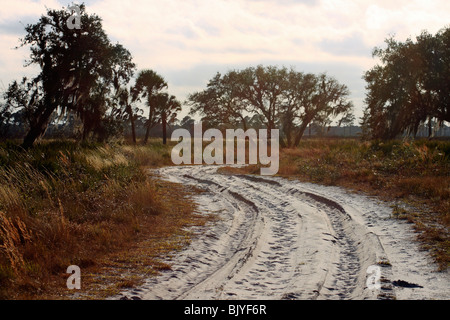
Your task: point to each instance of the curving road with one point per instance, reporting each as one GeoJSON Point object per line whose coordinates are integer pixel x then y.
{"type": "Point", "coordinates": [280, 239]}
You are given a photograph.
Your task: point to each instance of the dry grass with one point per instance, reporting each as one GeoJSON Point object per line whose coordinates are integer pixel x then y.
{"type": "Point", "coordinates": [95, 206]}
{"type": "Point", "coordinates": [159, 232]}
{"type": "Point", "coordinates": [63, 204]}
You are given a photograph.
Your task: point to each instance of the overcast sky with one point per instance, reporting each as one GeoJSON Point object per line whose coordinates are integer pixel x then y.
{"type": "Point", "coordinates": [187, 42]}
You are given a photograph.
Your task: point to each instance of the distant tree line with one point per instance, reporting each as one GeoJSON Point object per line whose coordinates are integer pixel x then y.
{"type": "Point", "coordinates": [85, 86]}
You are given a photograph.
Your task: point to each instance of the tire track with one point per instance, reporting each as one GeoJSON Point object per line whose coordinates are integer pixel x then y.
{"type": "Point", "coordinates": [273, 239]}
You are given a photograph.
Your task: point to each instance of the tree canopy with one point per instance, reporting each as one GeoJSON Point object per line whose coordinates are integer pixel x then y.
{"type": "Point", "coordinates": [410, 86]}
{"type": "Point", "coordinates": [281, 97]}
{"type": "Point", "coordinates": [79, 68]}
{"type": "Point", "coordinates": [162, 107]}
{"type": "Point", "coordinates": [82, 74]}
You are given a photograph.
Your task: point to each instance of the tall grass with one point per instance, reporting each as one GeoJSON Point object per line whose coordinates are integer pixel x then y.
{"type": "Point", "coordinates": [62, 203]}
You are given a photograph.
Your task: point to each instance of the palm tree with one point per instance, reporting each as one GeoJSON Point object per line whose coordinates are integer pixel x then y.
{"type": "Point", "coordinates": [168, 114]}
{"type": "Point", "coordinates": [149, 85]}
{"type": "Point", "coordinates": [125, 100]}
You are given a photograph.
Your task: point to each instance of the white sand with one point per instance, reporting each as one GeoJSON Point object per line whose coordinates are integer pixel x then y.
{"type": "Point", "coordinates": [282, 239]}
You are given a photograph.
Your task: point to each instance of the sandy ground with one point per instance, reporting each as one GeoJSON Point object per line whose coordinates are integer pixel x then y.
{"type": "Point", "coordinates": [280, 239]}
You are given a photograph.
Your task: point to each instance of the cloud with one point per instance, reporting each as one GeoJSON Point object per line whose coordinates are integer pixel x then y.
{"type": "Point", "coordinates": [15, 27]}
{"type": "Point", "coordinates": [188, 40]}
{"type": "Point", "coordinates": [350, 46]}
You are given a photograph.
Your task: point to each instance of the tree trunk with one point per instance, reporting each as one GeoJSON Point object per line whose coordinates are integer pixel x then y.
{"type": "Point", "coordinates": [133, 127]}
{"type": "Point", "coordinates": [244, 123]}
{"type": "Point", "coordinates": [147, 132]}
{"type": "Point", "coordinates": [164, 127]}
{"type": "Point", "coordinates": [288, 138]}
{"type": "Point", "coordinates": [38, 129]}
{"type": "Point", "coordinates": [300, 133]}
{"type": "Point", "coordinates": [31, 137]}
{"type": "Point", "coordinates": [133, 131]}
{"type": "Point", "coordinates": [287, 129]}
{"type": "Point", "coordinates": [270, 126]}
{"type": "Point", "coordinates": [430, 131]}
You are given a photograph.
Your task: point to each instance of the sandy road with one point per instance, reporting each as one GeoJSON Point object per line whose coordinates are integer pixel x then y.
{"type": "Point", "coordinates": [281, 239]}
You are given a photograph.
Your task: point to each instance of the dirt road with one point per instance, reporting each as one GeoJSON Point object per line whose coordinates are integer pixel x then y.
{"type": "Point", "coordinates": [279, 239]}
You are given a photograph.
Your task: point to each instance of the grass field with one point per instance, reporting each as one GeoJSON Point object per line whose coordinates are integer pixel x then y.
{"type": "Point", "coordinates": [96, 206]}
{"type": "Point", "coordinates": [64, 204]}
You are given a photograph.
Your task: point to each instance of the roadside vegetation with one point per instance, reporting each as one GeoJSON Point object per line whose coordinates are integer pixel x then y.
{"type": "Point", "coordinates": [413, 175]}
{"type": "Point", "coordinates": [62, 204]}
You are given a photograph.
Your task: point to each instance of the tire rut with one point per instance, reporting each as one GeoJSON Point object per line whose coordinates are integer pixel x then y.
{"type": "Point", "coordinates": [271, 241]}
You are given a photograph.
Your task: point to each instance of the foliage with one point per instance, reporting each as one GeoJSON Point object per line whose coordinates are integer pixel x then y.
{"type": "Point", "coordinates": [78, 70]}
{"type": "Point", "coordinates": [149, 85]}
{"type": "Point", "coordinates": [409, 87]}
{"type": "Point", "coordinates": [280, 97]}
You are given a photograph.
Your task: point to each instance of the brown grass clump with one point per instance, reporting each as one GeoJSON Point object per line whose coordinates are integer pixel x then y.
{"type": "Point", "coordinates": [13, 235]}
